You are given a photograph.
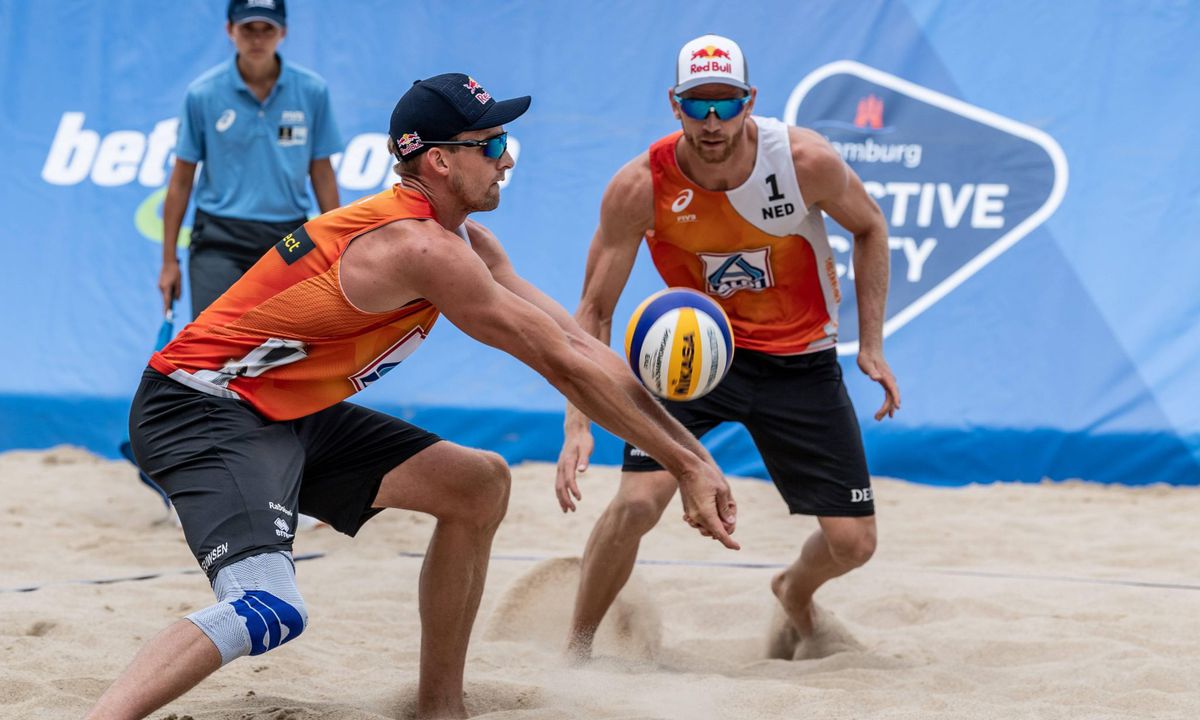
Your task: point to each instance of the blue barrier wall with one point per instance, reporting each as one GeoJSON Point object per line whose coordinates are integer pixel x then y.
{"type": "Point", "coordinates": [1036, 162]}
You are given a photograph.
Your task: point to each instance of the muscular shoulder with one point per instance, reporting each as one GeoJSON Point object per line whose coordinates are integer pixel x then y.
{"type": "Point", "coordinates": [821, 172]}
{"type": "Point", "coordinates": [387, 267]}
{"type": "Point", "coordinates": [412, 240]}
{"type": "Point", "coordinates": [629, 198]}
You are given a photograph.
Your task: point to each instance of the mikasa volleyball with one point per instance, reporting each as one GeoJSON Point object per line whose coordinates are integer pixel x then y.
{"type": "Point", "coordinates": [679, 344]}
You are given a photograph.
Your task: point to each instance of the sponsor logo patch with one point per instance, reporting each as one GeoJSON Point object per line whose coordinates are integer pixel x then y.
{"type": "Point", "coordinates": [292, 135]}
{"type": "Point", "coordinates": [477, 91]}
{"type": "Point", "coordinates": [393, 356]}
{"type": "Point", "coordinates": [225, 121]}
{"type": "Point", "coordinates": [214, 555]}
{"type": "Point", "coordinates": [294, 245]}
{"type": "Point", "coordinates": [727, 273]}
{"type": "Point", "coordinates": [408, 143]}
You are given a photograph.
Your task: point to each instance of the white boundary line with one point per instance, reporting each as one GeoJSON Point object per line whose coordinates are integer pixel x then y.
{"type": "Point", "coordinates": [961, 572]}
{"type": "Point", "coordinates": [1057, 158]}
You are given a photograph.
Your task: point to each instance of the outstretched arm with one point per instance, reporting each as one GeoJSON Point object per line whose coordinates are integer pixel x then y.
{"type": "Point", "coordinates": [588, 373]}
{"type": "Point", "coordinates": [626, 213]}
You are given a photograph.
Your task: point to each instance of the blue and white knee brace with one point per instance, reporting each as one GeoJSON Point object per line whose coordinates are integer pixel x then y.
{"type": "Point", "coordinates": [258, 606]}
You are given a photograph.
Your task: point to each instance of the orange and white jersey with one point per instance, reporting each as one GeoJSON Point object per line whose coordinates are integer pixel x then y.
{"type": "Point", "coordinates": [757, 249]}
{"type": "Point", "coordinates": [285, 338]}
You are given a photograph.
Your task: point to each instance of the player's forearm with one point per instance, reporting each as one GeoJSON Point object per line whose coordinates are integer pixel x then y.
{"type": "Point", "coordinates": [647, 405]}
{"type": "Point", "coordinates": [631, 414]}
{"type": "Point", "coordinates": [871, 270]}
{"type": "Point", "coordinates": [598, 325]}
{"type": "Point", "coordinates": [643, 420]}
{"type": "Point", "coordinates": [324, 184]}
{"type": "Point", "coordinates": [594, 320]}
{"type": "Point", "coordinates": [179, 190]}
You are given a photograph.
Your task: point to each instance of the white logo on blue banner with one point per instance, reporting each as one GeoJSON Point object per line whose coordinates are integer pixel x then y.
{"type": "Point", "coordinates": [958, 184]}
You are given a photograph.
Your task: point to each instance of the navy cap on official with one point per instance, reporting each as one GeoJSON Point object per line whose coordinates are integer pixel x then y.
{"type": "Point", "coordinates": [244, 11]}
{"type": "Point", "coordinates": [440, 107]}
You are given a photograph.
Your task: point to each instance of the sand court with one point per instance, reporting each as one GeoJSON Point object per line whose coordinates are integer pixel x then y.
{"type": "Point", "coordinates": [1065, 600]}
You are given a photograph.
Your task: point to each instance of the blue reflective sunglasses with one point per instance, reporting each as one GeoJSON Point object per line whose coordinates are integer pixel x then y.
{"type": "Point", "coordinates": [698, 108]}
{"type": "Point", "coordinates": [493, 147]}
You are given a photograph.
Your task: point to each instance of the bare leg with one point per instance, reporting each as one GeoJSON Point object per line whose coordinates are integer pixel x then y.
{"type": "Point", "coordinates": [840, 545]}
{"type": "Point", "coordinates": [467, 491]}
{"type": "Point", "coordinates": [165, 668]}
{"type": "Point", "coordinates": [611, 551]}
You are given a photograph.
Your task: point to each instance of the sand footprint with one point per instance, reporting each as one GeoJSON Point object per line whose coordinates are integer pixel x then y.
{"type": "Point", "coordinates": [484, 698]}
{"type": "Point", "coordinates": [830, 636]}
{"type": "Point", "coordinates": [537, 609]}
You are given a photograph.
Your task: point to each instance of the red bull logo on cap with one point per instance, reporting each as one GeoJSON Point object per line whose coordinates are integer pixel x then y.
{"type": "Point", "coordinates": [712, 55]}
{"type": "Point", "coordinates": [477, 91]}
{"type": "Point", "coordinates": [408, 143]}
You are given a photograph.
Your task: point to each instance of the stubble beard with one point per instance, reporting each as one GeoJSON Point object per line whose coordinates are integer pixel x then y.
{"type": "Point", "coordinates": [713, 155]}
{"type": "Point", "coordinates": [484, 202]}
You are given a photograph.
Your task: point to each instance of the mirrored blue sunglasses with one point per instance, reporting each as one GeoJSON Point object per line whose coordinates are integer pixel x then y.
{"type": "Point", "coordinates": [699, 108]}
{"type": "Point", "coordinates": [493, 147]}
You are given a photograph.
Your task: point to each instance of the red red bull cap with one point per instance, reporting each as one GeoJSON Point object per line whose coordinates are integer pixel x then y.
{"type": "Point", "coordinates": [711, 59]}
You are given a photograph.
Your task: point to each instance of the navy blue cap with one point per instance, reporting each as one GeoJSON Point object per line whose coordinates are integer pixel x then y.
{"type": "Point", "coordinates": [440, 107]}
{"type": "Point", "coordinates": [244, 11]}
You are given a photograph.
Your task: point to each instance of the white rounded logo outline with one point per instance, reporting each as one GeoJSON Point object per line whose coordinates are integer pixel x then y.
{"type": "Point", "coordinates": [226, 120]}
{"type": "Point", "coordinates": [683, 200]}
{"type": "Point", "coordinates": [1058, 161]}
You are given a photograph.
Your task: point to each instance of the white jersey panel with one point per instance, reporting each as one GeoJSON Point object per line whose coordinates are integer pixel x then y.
{"type": "Point", "coordinates": [771, 200]}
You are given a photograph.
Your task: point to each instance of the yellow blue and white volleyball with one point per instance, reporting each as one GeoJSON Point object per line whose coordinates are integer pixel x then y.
{"type": "Point", "coordinates": [679, 344]}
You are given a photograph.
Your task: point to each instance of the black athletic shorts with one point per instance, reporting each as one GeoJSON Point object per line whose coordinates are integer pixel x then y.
{"type": "Point", "coordinates": [799, 415]}
{"type": "Point", "coordinates": [238, 480]}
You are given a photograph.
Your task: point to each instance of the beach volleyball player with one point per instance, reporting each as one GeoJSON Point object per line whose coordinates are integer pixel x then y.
{"type": "Point", "coordinates": [241, 418]}
{"type": "Point", "coordinates": [733, 205]}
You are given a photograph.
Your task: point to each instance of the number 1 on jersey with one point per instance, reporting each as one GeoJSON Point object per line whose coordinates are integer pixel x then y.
{"type": "Point", "coordinates": [775, 194]}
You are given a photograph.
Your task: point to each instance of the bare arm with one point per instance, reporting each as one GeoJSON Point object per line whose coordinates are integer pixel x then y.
{"type": "Point", "coordinates": [179, 191]}
{"type": "Point", "coordinates": [324, 184]}
{"type": "Point", "coordinates": [626, 213]}
{"type": "Point", "coordinates": [833, 187]}
{"type": "Point", "coordinates": [492, 253]}
{"type": "Point", "coordinates": [588, 373]}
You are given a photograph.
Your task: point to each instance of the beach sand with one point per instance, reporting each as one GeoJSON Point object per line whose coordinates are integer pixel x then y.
{"type": "Point", "coordinates": [1001, 601]}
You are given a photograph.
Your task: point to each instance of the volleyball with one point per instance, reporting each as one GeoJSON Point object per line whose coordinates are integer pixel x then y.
{"type": "Point", "coordinates": [679, 344]}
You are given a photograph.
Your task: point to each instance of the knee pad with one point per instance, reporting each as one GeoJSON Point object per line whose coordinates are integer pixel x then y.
{"type": "Point", "coordinates": [258, 607]}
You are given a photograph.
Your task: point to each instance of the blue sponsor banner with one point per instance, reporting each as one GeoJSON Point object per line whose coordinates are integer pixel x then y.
{"type": "Point", "coordinates": [1042, 311]}
{"type": "Point", "coordinates": [958, 185]}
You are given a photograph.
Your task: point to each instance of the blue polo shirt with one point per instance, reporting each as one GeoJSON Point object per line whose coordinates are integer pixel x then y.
{"type": "Point", "coordinates": [255, 155]}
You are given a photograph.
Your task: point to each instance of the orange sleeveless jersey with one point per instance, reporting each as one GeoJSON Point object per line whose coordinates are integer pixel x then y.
{"type": "Point", "coordinates": [284, 338]}
{"type": "Point", "coordinates": [755, 249]}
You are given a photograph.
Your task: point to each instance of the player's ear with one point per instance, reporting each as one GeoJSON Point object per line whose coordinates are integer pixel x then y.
{"type": "Point", "coordinates": [438, 160]}
{"type": "Point", "coordinates": [674, 105]}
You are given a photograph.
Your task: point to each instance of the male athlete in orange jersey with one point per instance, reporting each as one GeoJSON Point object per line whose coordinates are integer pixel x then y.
{"type": "Point", "coordinates": [241, 418]}
{"type": "Point", "coordinates": [732, 206]}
